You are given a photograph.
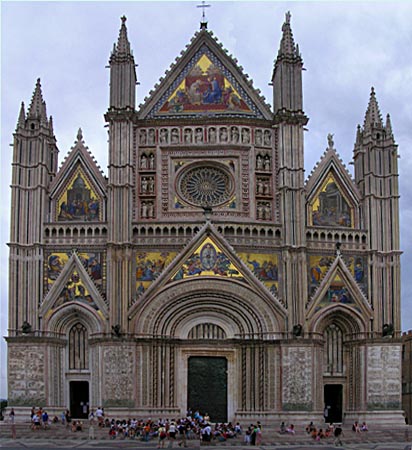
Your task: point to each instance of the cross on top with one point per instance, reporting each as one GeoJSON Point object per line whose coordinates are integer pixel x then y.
{"type": "Point", "coordinates": [203, 23]}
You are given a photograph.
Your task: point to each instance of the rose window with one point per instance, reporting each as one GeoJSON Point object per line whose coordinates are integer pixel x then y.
{"type": "Point", "coordinates": [205, 186]}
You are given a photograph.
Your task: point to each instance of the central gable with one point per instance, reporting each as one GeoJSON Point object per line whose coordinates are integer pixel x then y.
{"type": "Point", "coordinates": [205, 81]}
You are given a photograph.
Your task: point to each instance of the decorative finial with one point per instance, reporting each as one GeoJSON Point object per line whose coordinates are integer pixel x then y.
{"type": "Point", "coordinates": [288, 15]}
{"type": "Point", "coordinates": [330, 140]}
{"type": "Point", "coordinates": [79, 135]}
{"type": "Point", "coordinates": [338, 245]}
{"type": "Point", "coordinates": [123, 19]}
{"type": "Point", "coordinates": [203, 23]}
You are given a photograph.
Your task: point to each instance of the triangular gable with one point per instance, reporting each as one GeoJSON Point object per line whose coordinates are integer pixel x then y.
{"type": "Point", "coordinates": [79, 190]}
{"type": "Point", "coordinates": [205, 81]}
{"type": "Point", "coordinates": [208, 255]}
{"type": "Point", "coordinates": [55, 262]}
{"type": "Point", "coordinates": [73, 285]}
{"type": "Point", "coordinates": [332, 196]}
{"type": "Point", "coordinates": [338, 287]}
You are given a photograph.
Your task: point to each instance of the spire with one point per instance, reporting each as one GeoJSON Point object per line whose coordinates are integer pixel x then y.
{"type": "Point", "coordinates": [123, 44]}
{"type": "Point", "coordinates": [388, 126]}
{"type": "Point", "coordinates": [287, 44]}
{"type": "Point", "coordinates": [37, 106]}
{"type": "Point", "coordinates": [22, 116]}
{"type": "Point", "coordinates": [373, 118]}
{"type": "Point", "coordinates": [51, 124]}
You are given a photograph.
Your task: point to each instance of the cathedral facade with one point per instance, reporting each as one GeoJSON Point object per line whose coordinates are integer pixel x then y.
{"type": "Point", "coordinates": [205, 272]}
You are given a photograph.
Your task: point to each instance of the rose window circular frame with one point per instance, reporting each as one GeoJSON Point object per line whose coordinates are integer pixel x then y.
{"type": "Point", "coordinates": [205, 185]}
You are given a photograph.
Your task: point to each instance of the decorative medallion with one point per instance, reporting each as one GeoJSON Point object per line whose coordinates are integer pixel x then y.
{"type": "Point", "coordinates": [206, 185]}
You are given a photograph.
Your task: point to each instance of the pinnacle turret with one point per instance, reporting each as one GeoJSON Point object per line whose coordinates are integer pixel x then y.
{"type": "Point", "coordinates": [37, 108]}
{"type": "Point", "coordinates": [287, 46]}
{"type": "Point", "coordinates": [123, 45]}
{"type": "Point", "coordinates": [373, 118]}
{"type": "Point", "coordinates": [388, 127]}
{"type": "Point", "coordinates": [22, 116]}
{"type": "Point", "coordinates": [122, 72]}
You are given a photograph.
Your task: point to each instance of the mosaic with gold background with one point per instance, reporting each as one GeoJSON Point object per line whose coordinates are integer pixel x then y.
{"type": "Point", "coordinates": [205, 88]}
{"type": "Point", "coordinates": [93, 263]}
{"type": "Point", "coordinates": [331, 207]}
{"type": "Point", "coordinates": [319, 265]}
{"type": "Point", "coordinates": [149, 265]}
{"type": "Point", "coordinates": [265, 268]}
{"type": "Point", "coordinates": [79, 201]}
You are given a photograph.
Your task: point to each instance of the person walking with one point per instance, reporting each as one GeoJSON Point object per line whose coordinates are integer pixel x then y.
{"type": "Point", "coordinates": [13, 424]}
{"type": "Point", "coordinates": [338, 435]}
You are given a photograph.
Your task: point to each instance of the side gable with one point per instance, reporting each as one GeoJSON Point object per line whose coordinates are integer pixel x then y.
{"type": "Point", "coordinates": [73, 285]}
{"type": "Point", "coordinates": [78, 192]}
{"type": "Point", "coordinates": [333, 198]}
{"type": "Point", "coordinates": [205, 81]}
{"type": "Point", "coordinates": [338, 287]}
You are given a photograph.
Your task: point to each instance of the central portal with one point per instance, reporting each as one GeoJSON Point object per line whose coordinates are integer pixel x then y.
{"type": "Point", "coordinates": [207, 386]}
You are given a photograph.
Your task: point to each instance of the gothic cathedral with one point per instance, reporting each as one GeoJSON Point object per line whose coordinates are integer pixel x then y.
{"type": "Point", "coordinates": [205, 271]}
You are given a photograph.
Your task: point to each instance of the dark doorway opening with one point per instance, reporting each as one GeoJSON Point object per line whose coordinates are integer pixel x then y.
{"type": "Point", "coordinates": [333, 397]}
{"type": "Point", "coordinates": [207, 387]}
{"type": "Point", "coordinates": [79, 399]}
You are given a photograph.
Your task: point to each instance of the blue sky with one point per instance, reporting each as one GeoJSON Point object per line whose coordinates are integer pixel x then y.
{"type": "Point", "coordinates": [347, 47]}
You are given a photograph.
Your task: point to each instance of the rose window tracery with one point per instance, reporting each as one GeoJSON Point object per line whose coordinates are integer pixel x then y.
{"type": "Point", "coordinates": [205, 186]}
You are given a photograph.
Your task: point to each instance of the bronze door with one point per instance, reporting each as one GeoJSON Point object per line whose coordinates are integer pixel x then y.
{"type": "Point", "coordinates": [207, 387]}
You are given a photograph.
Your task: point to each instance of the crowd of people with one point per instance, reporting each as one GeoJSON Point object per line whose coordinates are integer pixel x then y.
{"type": "Point", "coordinates": [180, 431]}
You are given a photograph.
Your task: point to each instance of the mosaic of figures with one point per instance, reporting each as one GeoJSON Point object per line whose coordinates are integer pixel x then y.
{"type": "Point", "coordinates": [208, 260]}
{"type": "Point", "coordinates": [319, 266]}
{"type": "Point", "coordinates": [75, 291]}
{"type": "Point", "coordinates": [265, 268]}
{"type": "Point", "coordinates": [79, 201]}
{"type": "Point", "coordinates": [204, 89]}
{"type": "Point", "coordinates": [149, 266]}
{"type": "Point", "coordinates": [330, 207]}
{"type": "Point", "coordinates": [202, 135]}
{"type": "Point", "coordinates": [93, 263]}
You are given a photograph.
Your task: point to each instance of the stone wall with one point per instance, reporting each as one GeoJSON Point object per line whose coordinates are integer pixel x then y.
{"type": "Point", "coordinates": [384, 377]}
{"type": "Point", "coordinates": [297, 377]}
{"type": "Point", "coordinates": [26, 364]}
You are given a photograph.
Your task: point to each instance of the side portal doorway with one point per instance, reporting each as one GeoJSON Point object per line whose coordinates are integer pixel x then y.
{"type": "Point", "coordinates": [79, 399]}
{"type": "Point", "coordinates": [207, 386]}
{"type": "Point", "coordinates": [333, 398]}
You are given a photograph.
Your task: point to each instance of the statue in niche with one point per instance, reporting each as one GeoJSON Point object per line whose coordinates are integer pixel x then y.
{"type": "Point", "coordinates": [266, 187]}
{"type": "Point", "coordinates": [260, 211]}
{"type": "Point", "coordinates": [144, 210]}
{"type": "Point", "coordinates": [212, 135]}
{"type": "Point", "coordinates": [143, 162]}
{"type": "Point", "coordinates": [234, 135]}
{"type": "Point", "coordinates": [245, 136]}
{"type": "Point", "coordinates": [267, 138]}
{"type": "Point", "coordinates": [258, 137]}
{"type": "Point", "coordinates": [151, 161]}
{"type": "Point", "coordinates": [266, 163]}
{"type": "Point", "coordinates": [150, 185]}
{"type": "Point", "coordinates": [188, 136]}
{"type": "Point", "coordinates": [164, 134]}
{"type": "Point", "coordinates": [223, 134]}
{"type": "Point", "coordinates": [199, 135]}
{"type": "Point", "coordinates": [150, 210]}
{"type": "Point", "coordinates": [267, 211]}
{"type": "Point", "coordinates": [259, 162]}
{"type": "Point", "coordinates": [259, 186]}
{"type": "Point", "coordinates": [143, 185]}
{"type": "Point", "coordinates": [175, 136]}
{"type": "Point", "coordinates": [151, 139]}
{"type": "Point", "coordinates": [142, 137]}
